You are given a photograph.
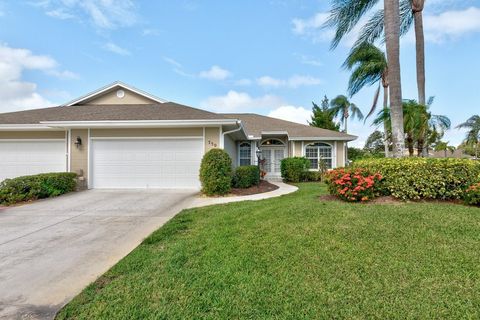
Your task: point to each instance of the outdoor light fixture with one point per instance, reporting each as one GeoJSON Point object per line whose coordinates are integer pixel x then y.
{"type": "Point", "coordinates": [78, 142]}
{"type": "Point", "coordinates": [258, 153]}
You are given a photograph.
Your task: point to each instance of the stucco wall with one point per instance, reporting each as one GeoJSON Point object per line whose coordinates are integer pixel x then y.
{"type": "Point", "coordinates": [32, 134]}
{"type": "Point", "coordinates": [212, 138]}
{"type": "Point", "coordinates": [230, 146]}
{"type": "Point", "coordinates": [79, 156]}
{"type": "Point", "coordinates": [340, 154]}
{"type": "Point", "coordinates": [148, 132]}
{"type": "Point", "coordinates": [111, 98]}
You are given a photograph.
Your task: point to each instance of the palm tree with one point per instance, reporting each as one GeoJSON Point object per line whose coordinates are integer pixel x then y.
{"type": "Point", "coordinates": [369, 66]}
{"type": "Point", "coordinates": [444, 146]}
{"type": "Point", "coordinates": [341, 107]}
{"type": "Point", "coordinates": [473, 133]}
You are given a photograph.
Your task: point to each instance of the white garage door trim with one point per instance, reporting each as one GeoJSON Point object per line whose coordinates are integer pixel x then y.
{"type": "Point", "coordinates": [60, 164]}
{"type": "Point", "coordinates": [198, 140]}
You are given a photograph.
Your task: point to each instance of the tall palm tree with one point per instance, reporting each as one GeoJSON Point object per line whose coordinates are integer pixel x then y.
{"type": "Point", "coordinates": [473, 133]}
{"type": "Point", "coordinates": [444, 146]}
{"type": "Point", "coordinates": [369, 66]}
{"type": "Point", "coordinates": [392, 37]}
{"type": "Point", "coordinates": [341, 107]}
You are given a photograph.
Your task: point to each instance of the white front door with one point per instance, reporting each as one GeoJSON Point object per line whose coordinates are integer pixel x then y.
{"type": "Point", "coordinates": [22, 158]}
{"type": "Point", "coordinates": [145, 163]}
{"type": "Point", "coordinates": [273, 157]}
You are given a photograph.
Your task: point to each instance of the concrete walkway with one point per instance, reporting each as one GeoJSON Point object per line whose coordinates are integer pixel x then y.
{"type": "Point", "coordinates": [283, 189]}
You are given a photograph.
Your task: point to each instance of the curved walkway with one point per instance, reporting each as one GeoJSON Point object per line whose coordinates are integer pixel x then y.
{"type": "Point", "coordinates": [283, 189]}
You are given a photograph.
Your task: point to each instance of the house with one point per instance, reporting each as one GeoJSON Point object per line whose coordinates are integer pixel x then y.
{"type": "Point", "coordinates": [122, 137]}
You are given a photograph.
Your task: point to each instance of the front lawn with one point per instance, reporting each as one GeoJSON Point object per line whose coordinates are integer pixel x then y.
{"type": "Point", "coordinates": [297, 257]}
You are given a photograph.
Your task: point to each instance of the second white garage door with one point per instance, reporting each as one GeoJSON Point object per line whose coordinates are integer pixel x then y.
{"type": "Point", "coordinates": [146, 163]}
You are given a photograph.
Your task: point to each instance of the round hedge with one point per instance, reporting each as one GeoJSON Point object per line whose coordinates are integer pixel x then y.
{"type": "Point", "coordinates": [216, 172]}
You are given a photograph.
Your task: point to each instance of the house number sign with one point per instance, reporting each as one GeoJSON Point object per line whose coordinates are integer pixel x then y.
{"type": "Point", "coordinates": [211, 143]}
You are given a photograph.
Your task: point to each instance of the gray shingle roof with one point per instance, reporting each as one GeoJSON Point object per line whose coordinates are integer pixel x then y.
{"type": "Point", "coordinates": [254, 125]}
{"type": "Point", "coordinates": [164, 111]}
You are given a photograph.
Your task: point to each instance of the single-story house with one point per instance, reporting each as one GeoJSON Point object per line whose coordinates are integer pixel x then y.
{"type": "Point", "coordinates": [122, 137]}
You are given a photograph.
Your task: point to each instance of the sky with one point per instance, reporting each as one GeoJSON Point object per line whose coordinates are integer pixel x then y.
{"type": "Point", "coordinates": [265, 56]}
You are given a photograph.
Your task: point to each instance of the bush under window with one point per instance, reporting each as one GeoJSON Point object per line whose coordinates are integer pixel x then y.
{"type": "Point", "coordinates": [216, 172]}
{"type": "Point", "coordinates": [38, 186]}
{"type": "Point", "coordinates": [294, 169]}
{"type": "Point", "coordinates": [246, 176]}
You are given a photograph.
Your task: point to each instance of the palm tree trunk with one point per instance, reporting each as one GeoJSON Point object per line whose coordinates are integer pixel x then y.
{"type": "Point", "coordinates": [392, 35]}
{"type": "Point", "coordinates": [385, 129]}
{"type": "Point", "coordinates": [410, 145]}
{"type": "Point", "coordinates": [417, 7]}
{"type": "Point", "coordinates": [420, 148]}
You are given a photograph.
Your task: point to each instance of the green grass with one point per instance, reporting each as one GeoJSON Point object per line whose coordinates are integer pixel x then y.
{"type": "Point", "coordinates": [296, 257]}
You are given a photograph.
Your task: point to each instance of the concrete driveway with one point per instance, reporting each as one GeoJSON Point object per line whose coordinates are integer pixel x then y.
{"type": "Point", "coordinates": [51, 249]}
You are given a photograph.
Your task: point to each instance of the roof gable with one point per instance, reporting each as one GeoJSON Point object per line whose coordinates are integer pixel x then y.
{"type": "Point", "coordinates": [117, 93]}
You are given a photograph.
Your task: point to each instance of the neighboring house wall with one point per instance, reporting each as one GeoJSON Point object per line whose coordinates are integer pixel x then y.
{"type": "Point", "coordinates": [128, 98]}
{"type": "Point", "coordinates": [32, 134]}
{"type": "Point", "coordinates": [230, 146]}
{"type": "Point", "coordinates": [79, 156]}
{"type": "Point", "coordinates": [212, 138]}
{"type": "Point", "coordinates": [148, 132]}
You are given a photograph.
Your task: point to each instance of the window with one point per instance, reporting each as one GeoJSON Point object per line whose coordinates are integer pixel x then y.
{"type": "Point", "coordinates": [318, 152]}
{"type": "Point", "coordinates": [272, 142]}
{"type": "Point", "coordinates": [245, 157]}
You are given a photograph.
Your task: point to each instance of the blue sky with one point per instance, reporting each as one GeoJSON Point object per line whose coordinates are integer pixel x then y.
{"type": "Point", "coordinates": [269, 57]}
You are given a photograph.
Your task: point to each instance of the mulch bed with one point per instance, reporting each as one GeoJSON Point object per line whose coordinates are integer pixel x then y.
{"type": "Point", "coordinates": [263, 187]}
{"type": "Point", "coordinates": [391, 200]}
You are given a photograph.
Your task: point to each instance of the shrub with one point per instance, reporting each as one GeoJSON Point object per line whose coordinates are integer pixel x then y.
{"type": "Point", "coordinates": [246, 176]}
{"type": "Point", "coordinates": [312, 176]}
{"type": "Point", "coordinates": [472, 195]}
{"type": "Point", "coordinates": [216, 172]}
{"type": "Point", "coordinates": [354, 184]}
{"type": "Point", "coordinates": [424, 178]}
{"type": "Point", "coordinates": [294, 169]}
{"type": "Point", "coordinates": [38, 186]}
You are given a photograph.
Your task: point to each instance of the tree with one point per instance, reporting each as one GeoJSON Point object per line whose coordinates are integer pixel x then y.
{"type": "Point", "coordinates": [322, 117]}
{"type": "Point", "coordinates": [472, 138]}
{"type": "Point", "coordinates": [341, 107]}
{"type": "Point", "coordinates": [369, 66]}
{"type": "Point", "coordinates": [444, 146]}
{"type": "Point", "coordinates": [375, 143]}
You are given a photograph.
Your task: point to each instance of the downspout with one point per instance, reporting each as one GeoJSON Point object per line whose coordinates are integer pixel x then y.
{"type": "Point", "coordinates": [231, 131]}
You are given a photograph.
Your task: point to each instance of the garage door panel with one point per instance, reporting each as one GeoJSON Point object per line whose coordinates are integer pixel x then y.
{"type": "Point", "coordinates": [146, 163]}
{"type": "Point", "coordinates": [20, 158]}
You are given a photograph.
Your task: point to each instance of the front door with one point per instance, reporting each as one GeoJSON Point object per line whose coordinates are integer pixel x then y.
{"type": "Point", "coordinates": [273, 158]}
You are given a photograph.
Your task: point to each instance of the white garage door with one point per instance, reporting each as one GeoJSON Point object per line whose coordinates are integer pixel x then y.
{"type": "Point", "coordinates": [146, 163]}
{"type": "Point", "coordinates": [21, 158]}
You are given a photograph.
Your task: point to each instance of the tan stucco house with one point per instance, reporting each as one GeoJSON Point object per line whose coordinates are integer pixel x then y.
{"type": "Point", "coordinates": [121, 137]}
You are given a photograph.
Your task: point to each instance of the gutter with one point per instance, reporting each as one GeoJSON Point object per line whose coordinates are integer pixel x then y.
{"type": "Point", "coordinates": [240, 128]}
{"type": "Point", "coordinates": [138, 123]}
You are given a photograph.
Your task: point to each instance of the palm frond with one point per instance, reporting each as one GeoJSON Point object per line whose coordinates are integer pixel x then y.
{"type": "Point", "coordinates": [374, 104]}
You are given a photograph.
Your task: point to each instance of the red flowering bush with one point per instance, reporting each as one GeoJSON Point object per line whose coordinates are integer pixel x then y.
{"type": "Point", "coordinates": [354, 185]}
{"type": "Point", "coordinates": [472, 195]}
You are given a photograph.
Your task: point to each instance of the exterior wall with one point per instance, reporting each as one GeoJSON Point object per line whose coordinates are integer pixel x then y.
{"type": "Point", "coordinates": [230, 146]}
{"type": "Point", "coordinates": [111, 98]}
{"type": "Point", "coordinates": [148, 132]}
{"type": "Point", "coordinates": [79, 156]}
{"type": "Point", "coordinates": [212, 138]}
{"type": "Point", "coordinates": [340, 154]}
{"type": "Point", "coordinates": [297, 152]}
{"type": "Point", "coordinates": [32, 135]}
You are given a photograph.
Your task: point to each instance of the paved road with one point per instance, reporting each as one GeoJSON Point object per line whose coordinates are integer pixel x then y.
{"type": "Point", "coordinates": [51, 249]}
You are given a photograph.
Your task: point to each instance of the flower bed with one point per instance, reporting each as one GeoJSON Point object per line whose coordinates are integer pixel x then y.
{"type": "Point", "coordinates": [472, 195]}
{"type": "Point", "coordinates": [354, 185]}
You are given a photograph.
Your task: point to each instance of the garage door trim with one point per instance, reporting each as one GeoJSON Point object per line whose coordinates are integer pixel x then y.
{"type": "Point", "coordinates": [91, 139]}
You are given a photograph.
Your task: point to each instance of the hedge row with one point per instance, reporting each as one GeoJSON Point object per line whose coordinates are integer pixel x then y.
{"type": "Point", "coordinates": [296, 169]}
{"type": "Point", "coordinates": [424, 178]}
{"type": "Point", "coordinates": [38, 186]}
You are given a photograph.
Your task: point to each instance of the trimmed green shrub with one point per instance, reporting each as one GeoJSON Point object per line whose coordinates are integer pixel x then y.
{"type": "Point", "coordinates": [472, 195]}
{"type": "Point", "coordinates": [246, 176]}
{"type": "Point", "coordinates": [313, 176]}
{"type": "Point", "coordinates": [424, 178]}
{"type": "Point", "coordinates": [216, 172]}
{"type": "Point", "coordinates": [38, 186]}
{"type": "Point", "coordinates": [294, 169]}
{"type": "Point", "coordinates": [354, 184]}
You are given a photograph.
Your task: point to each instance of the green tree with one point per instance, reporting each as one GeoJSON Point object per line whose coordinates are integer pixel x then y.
{"type": "Point", "coordinates": [341, 107]}
{"type": "Point", "coordinates": [322, 117]}
{"type": "Point", "coordinates": [472, 138]}
{"type": "Point", "coordinates": [368, 65]}
{"type": "Point", "coordinates": [444, 146]}
{"type": "Point", "coordinates": [375, 143]}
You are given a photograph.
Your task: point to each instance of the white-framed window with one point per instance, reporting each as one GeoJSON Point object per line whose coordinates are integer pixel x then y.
{"type": "Point", "coordinates": [245, 154]}
{"type": "Point", "coordinates": [272, 143]}
{"type": "Point", "coordinates": [318, 152]}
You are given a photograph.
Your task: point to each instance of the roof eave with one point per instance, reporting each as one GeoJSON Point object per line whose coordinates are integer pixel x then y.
{"type": "Point", "coordinates": [139, 123]}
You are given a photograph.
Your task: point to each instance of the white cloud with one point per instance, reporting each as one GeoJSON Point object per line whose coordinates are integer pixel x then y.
{"type": "Point", "coordinates": [172, 62]}
{"type": "Point", "coordinates": [309, 60]}
{"type": "Point", "coordinates": [452, 24]}
{"type": "Point", "coordinates": [306, 26]}
{"type": "Point", "coordinates": [291, 113]}
{"type": "Point", "coordinates": [112, 47]}
{"type": "Point", "coordinates": [15, 92]}
{"type": "Point", "coordinates": [292, 82]}
{"type": "Point", "coordinates": [243, 82]}
{"type": "Point", "coordinates": [215, 73]}
{"type": "Point", "coordinates": [104, 14]}
{"type": "Point", "coordinates": [235, 101]}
